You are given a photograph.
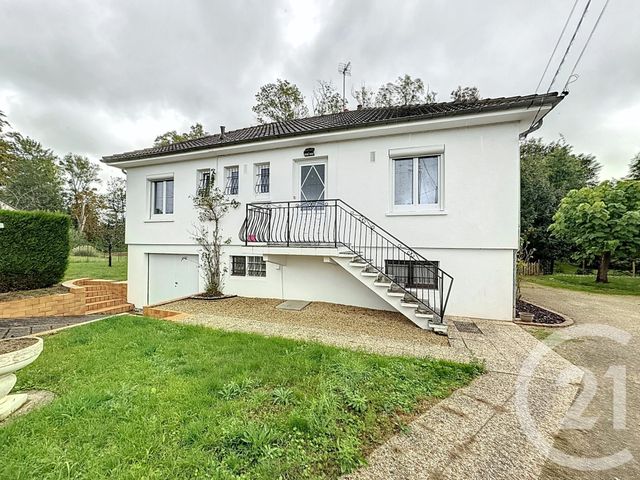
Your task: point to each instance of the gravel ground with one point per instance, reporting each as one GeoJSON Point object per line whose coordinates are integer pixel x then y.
{"type": "Point", "coordinates": [597, 355]}
{"type": "Point", "coordinates": [320, 315]}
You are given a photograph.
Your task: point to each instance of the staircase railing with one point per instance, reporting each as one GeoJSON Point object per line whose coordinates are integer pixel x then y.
{"type": "Point", "coordinates": [334, 223]}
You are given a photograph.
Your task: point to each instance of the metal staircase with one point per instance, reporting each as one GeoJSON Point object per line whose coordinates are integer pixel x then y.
{"type": "Point", "coordinates": [411, 284]}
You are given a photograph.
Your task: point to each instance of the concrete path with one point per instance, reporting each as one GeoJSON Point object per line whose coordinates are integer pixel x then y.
{"type": "Point", "coordinates": [20, 327]}
{"type": "Point", "coordinates": [476, 433]}
{"type": "Point", "coordinates": [607, 315]}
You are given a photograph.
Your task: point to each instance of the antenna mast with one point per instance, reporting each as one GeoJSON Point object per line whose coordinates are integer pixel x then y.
{"type": "Point", "coordinates": [344, 69]}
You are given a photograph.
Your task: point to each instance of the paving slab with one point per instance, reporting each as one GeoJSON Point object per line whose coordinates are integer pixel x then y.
{"type": "Point", "coordinates": [296, 305]}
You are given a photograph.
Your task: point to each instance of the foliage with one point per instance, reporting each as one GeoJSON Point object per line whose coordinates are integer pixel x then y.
{"type": "Point", "coordinates": [158, 411]}
{"type": "Point", "coordinates": [81, 177]}
{"type": "Point", "coordinates": [96, 267]}
{"type": "Point", "coordinates": [30, 177]}
{"type": "Point", "coordinates": [617, 285]}
{"type": "Point", "coordinates": [212, 205]}
{"type": "Point", "coordinates": [466, 94]}
{"type": "Point", "coordinates": [279, 101]}
{"type": "Point", "coordinates": [634, 168]}
{"type": "Point", "coordinates": [601, 221]}
{"type": "Point", "coordinates": [326, 99]}
{"type": "Point", "coordinates": [547, 173]}
{"type": "Point", "coordinates": [167, 138]}
{"type": "Point", "coordinates": [364, 96]}
{"type": "Point", "coordinates": [110, 233]}
{"type": "Point", "coordinates": [34, 249]}
{"type": "Point", "coordinates": [404, 91]}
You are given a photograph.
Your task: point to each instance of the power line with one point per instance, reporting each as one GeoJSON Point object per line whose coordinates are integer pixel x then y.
{"type": "Point", "coordinates": [566, 52]}
{"type": "Point", "coordinates": [562, 60]}
{"type": "Point", "coordinates": [557, 43]}
{"type": "Point", "coordinates": [573, 70]}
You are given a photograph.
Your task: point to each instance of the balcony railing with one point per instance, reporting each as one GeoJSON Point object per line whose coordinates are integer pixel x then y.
{"type": "Point", "coordinates": [333, 223]}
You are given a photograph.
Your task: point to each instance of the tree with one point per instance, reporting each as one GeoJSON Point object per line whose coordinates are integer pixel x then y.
{"type": "Point", "coordinates": [30, 177]}
{"type": "Point", "coordinates": [547, 173]}
{"type": "Point", "coordinates": [279, 101]}
{"type": "Point", "coordinates": [110, 234]}
{"type": "Point", "coordinates": [404, 91]}
{"type": "Point", "coordinates": [5, 148]}
{"type": "Point", "coordinates": [167, 138]}
{"type": "Point", "coordinates": [326, 99]}
{"type": "Point", "coordinates": [601, 221]}
{"type": "Point", "coordinates": [364, 96]}
{"type": "Point", "coordinates": [212, 205]}
{"type": "Point", "coordinates": [81, 178]}
{"type": "Point", "coordinates": [466, 94]}
{"type": "Point", "coordinates": [634, 168]}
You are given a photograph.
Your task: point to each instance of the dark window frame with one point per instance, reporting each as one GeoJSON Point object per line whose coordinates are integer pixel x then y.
{"type": "Point", "coordinates": [238, 267]}
{"type": "Point", "coordinates": [411, 283]}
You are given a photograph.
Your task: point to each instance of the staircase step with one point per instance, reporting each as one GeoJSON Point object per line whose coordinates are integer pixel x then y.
{"type": "Point", "coordinates": [409, 304]}
{"type": "Point", "coordinates": [104, 304]}
{"type": "Point", "coordinates": [358, 264]}
{"type": "Point", "coordinates": [120, 308]}
{"type": "Point", "coordinates": [393, 293]}
{"type": "Point", "coordinates": [100, 298]}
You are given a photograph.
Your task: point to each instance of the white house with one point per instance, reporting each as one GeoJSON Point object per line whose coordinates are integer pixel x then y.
{"type": "Point", "coordinates": [412, 208]}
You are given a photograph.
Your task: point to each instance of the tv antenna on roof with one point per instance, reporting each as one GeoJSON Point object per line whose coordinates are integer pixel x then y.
{"type": "Point", "coordinates": [344, 69]}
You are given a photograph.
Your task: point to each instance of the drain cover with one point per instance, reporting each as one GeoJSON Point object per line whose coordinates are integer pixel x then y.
{"type": "Point", "coordinates": [467, 327]}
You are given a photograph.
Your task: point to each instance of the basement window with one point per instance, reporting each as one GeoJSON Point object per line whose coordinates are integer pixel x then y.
{"type": "Point", "coordinates": [413, 273]}
{"type": "Point", "coordinates": [253, 266]}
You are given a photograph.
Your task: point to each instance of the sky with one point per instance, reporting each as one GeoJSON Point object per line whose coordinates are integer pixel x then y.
{"type": "Point", "coordinates": [103, 77]}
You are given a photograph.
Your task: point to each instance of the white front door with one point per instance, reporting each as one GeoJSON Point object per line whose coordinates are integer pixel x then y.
{"type": "Point", "coordinates": [172, 276]}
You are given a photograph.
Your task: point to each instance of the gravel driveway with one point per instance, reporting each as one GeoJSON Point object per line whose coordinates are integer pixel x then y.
{"type": "Point", "coordinates": [597, 355]}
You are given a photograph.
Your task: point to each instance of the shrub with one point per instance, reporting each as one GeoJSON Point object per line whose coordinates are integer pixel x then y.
{"type": "Point", "coordinates": [85, 251]}
{"type": "Point", "coordinates": [34, 249]}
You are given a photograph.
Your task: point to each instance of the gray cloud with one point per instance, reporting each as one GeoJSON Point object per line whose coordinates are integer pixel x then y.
{"type": "Point", "coordinates": [103, 77]}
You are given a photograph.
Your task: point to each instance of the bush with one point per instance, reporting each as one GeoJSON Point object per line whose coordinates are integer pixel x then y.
{"type": "Point", "coordinates": [34, 249]}
{"type": "Point", "coordinates": [85, 251]}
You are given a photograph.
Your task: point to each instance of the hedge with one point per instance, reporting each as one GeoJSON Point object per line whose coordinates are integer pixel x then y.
{"type": "Point", "coordinates": [34, 249]}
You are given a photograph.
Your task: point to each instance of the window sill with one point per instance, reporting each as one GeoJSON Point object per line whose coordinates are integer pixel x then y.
{"type": "Point", "coordinates": [158, 219]}
{"type": "Point", "coordinates": [410, 213]}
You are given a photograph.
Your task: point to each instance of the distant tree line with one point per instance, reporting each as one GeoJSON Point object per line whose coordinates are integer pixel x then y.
{"type": "Point", "coordinates": [33, 177]}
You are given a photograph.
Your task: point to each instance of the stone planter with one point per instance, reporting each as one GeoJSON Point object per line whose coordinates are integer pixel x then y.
{"type": "Point", "coordinates": [21, 352]}
{"type": "Point", "coordinates": [526, 317]}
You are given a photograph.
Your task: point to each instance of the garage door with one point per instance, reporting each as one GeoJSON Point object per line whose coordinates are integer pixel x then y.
{"type": "Point", "coordinates": [172, 276]}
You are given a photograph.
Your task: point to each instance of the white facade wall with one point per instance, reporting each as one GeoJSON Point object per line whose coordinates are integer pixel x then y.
{"type": "Point", "coordinates": [474, 237]}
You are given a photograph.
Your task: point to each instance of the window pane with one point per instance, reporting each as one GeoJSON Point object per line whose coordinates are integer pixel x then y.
{"type": "Point", "coordinates": [424, 275]}
{"type": "Point", "coordinates": [238, 266]}
{"type": "Point", "coordinates": [232, 180]}
{"type": "Point", "coordinates": [169, 195]}
{"type": "Point", "coordinates": [256, 267]}
{"type": "Point", "coordinates": [399, 271]}
{"type": "Point", "coordinates": [158, 194]}
{"type": "Point", "coordinates": [312, 182]}
{"type": "Point", "coordinates": [262, 181]}
{"type": "Point", "coordinates": [403, 189]}
{"type": "Point", "coordinates": [428, 180]}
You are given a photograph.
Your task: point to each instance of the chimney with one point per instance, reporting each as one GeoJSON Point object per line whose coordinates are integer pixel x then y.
{"type": "Point", "coordinates": [222, 130]}
{"type": "Point", "coordinates": [359, 107]}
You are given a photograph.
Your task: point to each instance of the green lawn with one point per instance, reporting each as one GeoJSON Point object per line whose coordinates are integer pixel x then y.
{"type": "Point", "coordinates": [618, 285]}
{"type": "Point", "coordinates": [96, 267]}
{"type": "Point", "coordinates": [143, 398]}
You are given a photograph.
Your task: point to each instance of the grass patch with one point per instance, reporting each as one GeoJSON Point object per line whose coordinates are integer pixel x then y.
{"type": "Point", "coordinates": [96, 267]}
{"type": "Point", "coordinates": [142, 398]}
{"type": "Point", "coordinates": [617, 285]}
{"type": "Point", "coordinates": [540, 333]}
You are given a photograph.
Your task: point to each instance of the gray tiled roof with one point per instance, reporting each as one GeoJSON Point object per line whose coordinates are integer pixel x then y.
{"type": "Point", "coordinates": [366, 117]}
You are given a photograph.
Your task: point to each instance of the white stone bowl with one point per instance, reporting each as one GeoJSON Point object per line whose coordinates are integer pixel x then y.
{"type": "Point", "coordinates": [10, 363]}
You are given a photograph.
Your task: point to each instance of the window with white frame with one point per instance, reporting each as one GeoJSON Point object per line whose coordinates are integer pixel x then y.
{"type": "Point", "coordinates": [262, 178]}
{"type": "Point", "coordinates": [162, 196]}
{"type": "Point", "coordinates": [231, 182]}
{"type": "Point", "coordinates": [253, 266]}
{"type": "Point", "coordinates": [417, 182]}
{"type": "Point", "coordinates": [206, 177]}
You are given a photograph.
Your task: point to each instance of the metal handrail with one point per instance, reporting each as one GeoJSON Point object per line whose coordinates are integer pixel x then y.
{"type": "Point", "coordinates": [335, 223]}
